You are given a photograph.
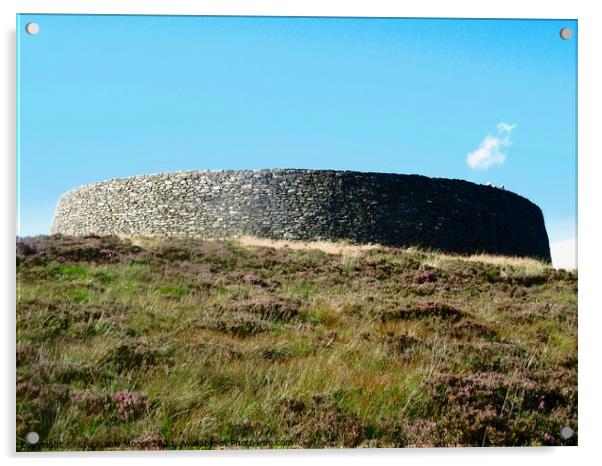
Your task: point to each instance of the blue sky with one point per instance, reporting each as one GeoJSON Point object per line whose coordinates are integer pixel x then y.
{"type": "Point", "coordinates": [111, 96]}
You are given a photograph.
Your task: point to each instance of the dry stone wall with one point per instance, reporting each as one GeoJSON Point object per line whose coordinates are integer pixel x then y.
{"type": "Point", "coordinates": [390, 209]}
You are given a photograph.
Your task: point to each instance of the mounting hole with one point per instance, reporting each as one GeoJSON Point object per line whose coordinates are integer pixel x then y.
{"type": "Point", "coordinates": [566, 433]}
{"type": "Point", "coordinates": [566, 33]}
{"type": "Point", "coordinates": [32, 438]}
{"type": "Point", "coordinates": [32, 28]}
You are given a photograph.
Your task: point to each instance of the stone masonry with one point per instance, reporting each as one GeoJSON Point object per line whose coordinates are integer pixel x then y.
{"type": "Point", "coordinates": [390, 209]}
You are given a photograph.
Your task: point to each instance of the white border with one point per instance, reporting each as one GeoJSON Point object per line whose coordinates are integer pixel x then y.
{"type": "Point", "coordinates": [590, 196]}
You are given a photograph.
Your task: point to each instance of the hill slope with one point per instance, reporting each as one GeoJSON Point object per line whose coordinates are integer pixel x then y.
{"type": "Point", "coordinates": [191, 344]}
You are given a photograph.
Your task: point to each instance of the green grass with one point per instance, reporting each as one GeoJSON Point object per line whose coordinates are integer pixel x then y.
{"type": "Point", "coordinates": [192, 344]}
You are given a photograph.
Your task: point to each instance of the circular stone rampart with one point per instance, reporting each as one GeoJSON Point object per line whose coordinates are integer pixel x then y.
{"type": "Point", "coordinates": [390, 209]}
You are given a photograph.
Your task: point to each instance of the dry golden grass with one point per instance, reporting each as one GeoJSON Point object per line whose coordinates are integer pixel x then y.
{"type": "Point", "coordinates": [329, 247]}
{"type": "Point", "coordinates": [526, 265]}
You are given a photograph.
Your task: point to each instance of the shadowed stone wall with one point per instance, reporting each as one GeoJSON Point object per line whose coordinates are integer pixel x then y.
{"type": "Point", "coordinates": [391, 209]}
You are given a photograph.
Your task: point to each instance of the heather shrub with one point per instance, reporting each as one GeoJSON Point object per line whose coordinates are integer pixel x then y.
{"type": "Point", "coordinates": [130, 405]}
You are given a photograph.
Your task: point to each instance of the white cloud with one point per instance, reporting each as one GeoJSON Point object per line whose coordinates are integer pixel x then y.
{"type": "Point", "coordinates": [490, 151]}
{"type": "Point", "coordinates": [505, 127]}
{"type": "Point", "coordinates": [564, 254]}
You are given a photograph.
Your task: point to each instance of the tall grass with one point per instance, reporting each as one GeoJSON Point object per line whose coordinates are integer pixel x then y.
{"type": "Point", "coordinates": [152, 344]}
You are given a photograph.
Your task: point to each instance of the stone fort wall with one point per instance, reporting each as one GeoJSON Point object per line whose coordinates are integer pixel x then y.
{"type": "Point", "coordinates": [390, 209]}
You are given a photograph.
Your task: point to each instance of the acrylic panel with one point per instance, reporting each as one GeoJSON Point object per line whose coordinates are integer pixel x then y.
{"type": "Point", "coordinates": [278, 232]}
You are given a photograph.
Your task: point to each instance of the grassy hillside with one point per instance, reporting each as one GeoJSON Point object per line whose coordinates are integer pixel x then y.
{"type": "Point", "coordinates": [218, 344]}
